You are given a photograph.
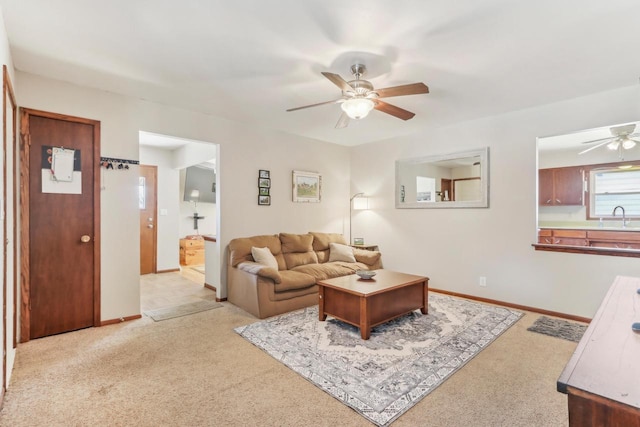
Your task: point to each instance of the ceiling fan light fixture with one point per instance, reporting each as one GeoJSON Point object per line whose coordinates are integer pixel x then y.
{"type": "Point", "coordinates": [357, 108]}
{"type": "Point", "coordinates": [628, 144]}
{"type": "Point", "coordinates": [613, 145]}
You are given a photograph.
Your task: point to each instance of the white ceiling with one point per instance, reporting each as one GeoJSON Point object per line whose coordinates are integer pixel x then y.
{"type": "Point", "coordinates": [250, 60]}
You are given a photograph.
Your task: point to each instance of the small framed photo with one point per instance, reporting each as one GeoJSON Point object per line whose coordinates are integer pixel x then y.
{"type": "Point", "coordinates": [264, 174]}
{"type": "Point", "coordinates": [264, 200]}
{"type": "Point", "coordinates": [264, 182]}
{"type": "Point", "coordinates": [264, 191]}
{"type": "Point", "coordinates": [306, 187]}
{"type": "Point", "coordinates": [358, 241]}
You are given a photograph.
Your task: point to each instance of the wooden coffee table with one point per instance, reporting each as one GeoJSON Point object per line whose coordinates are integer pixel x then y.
{"type": "Point", "coordinates": [367, 303]}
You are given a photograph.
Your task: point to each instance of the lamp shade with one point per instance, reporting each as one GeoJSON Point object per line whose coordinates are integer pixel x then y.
{"type": "Point", "coordinates": [357, 108]}
{"type": "Point", "coordinates": [360, 203]}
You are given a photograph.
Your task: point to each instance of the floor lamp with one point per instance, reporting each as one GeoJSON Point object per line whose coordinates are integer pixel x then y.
{"type": "Point", "coordinates": [351, 211]}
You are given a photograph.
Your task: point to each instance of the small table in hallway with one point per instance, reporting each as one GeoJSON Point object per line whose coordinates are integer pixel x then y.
{"type": "Point", "coordinates": [367, 303]}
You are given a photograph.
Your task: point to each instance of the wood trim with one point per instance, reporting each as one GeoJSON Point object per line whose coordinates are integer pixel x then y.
{"type": "Point", "coordinates": [220, 299]}
{"type": "Point", "coordinates": [120, 320]}
{"type": "Point", "coordinates": [25, 309]}
{"type": "Point", "coordinates": [25, 153]}
{"type": "Point", "coordinates": [208, 286]}
{"type": "Point", "coordinates": [209, 238]}
{"type": "Point", "coordinates": [8, 87]}
{"type": "Point", "coordinates": [516, 306]}
{"type": "Point", "coordinates": [590, 250]}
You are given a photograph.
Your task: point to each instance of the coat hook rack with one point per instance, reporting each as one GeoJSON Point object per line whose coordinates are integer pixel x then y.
{"type": "Point", "coordinates": [108, 163]}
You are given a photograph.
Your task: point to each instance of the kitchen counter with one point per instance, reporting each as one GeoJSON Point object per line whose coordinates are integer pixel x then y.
{"type": "Point", "coordinates": [613, 241]}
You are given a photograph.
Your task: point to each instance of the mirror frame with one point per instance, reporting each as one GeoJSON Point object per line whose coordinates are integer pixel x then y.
{"type": "Point", "coordinates": [483, 153]}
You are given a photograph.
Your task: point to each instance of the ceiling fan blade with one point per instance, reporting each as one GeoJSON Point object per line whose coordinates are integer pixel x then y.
{"type": "Point", "coordinates": [315, 105]}
{"type": "Point", "coordinates": [598, 140]}
{"type": "Point", "coordinates": [393, 110]}
{"type": "Point", "coordinates": [595, 146]}
{"type": "Point", "coordinates": [343, 121]}
{"type": "Point", "coordinates": [410, 89]}
{"type": "Point", "coordinates": [338, 81]}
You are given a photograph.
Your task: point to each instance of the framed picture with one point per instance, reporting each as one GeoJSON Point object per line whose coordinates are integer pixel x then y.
{"type": "Point", "coordinates": [264, 182]}
{"type": "Point", "coordinates": [264, 191]}
{"type": "Point", "coordinates": [307, 187]}
{"type": "Point", "coordinates": [264, 174]}
{"type": "Point", "coordinates": [264, 200]}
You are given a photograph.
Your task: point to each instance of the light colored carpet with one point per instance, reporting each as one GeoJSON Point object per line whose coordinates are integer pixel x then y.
{"type": "Point", "coordinates": [196, 371]}
{"type": "Point", "coordinates": [182, 310]}
{"type": "Point", "coordinates": [558, 328]}
{"type": "Point", "coordinates": [403, 361]}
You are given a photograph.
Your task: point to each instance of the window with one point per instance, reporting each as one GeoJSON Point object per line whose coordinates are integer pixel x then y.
{"type": "Point", "coordinates": [611, 187]}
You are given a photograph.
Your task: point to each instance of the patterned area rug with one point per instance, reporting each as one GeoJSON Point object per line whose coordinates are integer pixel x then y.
{"type": "Point", "coordinates": [182, 310]}
{"type": "Point", "coordinates": [558, 328]}
{"type": "Point", "coordinates": [403, 361]}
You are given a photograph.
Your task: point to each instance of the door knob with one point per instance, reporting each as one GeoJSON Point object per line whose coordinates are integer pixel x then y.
{"type": "Point", "coordinates": [85, 239]}
{"type": "Point", "coordinates": [150, 226]}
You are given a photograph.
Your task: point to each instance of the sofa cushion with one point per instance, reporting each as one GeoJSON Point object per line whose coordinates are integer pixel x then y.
{"type": "Point", "coordinates": [297, 249]}
{"type": "Point", "coordinates": [240, 249]}
{"type": "Point", "coordinates": [327, 270]}
{"type": "Point", "coordinates": [264, 256]}
{"type": "Point", "coordinates": [321, 243]}
{"type": "Point", "coordinates": [292, 280]}
{"type": "Point", "coordinates": [340, 252]}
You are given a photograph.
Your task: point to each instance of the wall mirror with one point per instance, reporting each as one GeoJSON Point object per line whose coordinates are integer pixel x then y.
{"type": "Point", "coordinates": [453, 180]}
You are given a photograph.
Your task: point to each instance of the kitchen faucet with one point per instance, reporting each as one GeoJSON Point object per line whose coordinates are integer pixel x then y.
{"type": "Point", "coordinates": [624, 221]}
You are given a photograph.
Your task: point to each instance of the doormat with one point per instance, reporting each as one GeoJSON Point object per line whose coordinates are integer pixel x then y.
{"type": "Point", "coordinates": [182, 310]}
{"type": "Point", "coordinates": [558, 328]}
{"type": "Point", "coordinates": [404, 360]}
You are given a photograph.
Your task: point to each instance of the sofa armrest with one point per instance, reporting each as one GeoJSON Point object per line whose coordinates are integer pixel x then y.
{"type": "Point", "coordinates": [260, 270]}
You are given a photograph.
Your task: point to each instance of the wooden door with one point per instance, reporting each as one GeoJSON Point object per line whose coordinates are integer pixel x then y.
{"type": "Point", "coordinates": [148, 217]}
{"type": "Point", "coordinates": [446, 189]}
{"type": "Point", "coordinates": [60, 225]}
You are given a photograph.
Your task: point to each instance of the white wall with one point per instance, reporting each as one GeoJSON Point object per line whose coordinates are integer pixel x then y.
{"type": "Point", "coordinates": [207, 210]}
{"type": "Point", "coordinates": [241, 154]}
{"type": "Point", "coordinates": [456, 246]}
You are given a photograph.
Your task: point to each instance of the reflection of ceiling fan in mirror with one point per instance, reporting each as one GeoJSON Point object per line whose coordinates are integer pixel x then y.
{"type": "Point", "coordinates": [621, 138]}
{"type": "Point", "coordinates": [359, 97]}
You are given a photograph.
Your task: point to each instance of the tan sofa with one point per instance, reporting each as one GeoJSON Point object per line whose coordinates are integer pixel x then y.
{"type": "Point", "coordinates": [302, 260]}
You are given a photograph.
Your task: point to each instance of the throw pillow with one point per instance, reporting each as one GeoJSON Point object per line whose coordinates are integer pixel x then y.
{"type": "Point", "coordinates": [265, 257]}
{"type": "Point", "coordinates": [340, 252]}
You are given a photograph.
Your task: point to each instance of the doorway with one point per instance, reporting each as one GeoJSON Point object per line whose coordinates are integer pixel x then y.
{"type": "Point", "coordinates": [60, 217]}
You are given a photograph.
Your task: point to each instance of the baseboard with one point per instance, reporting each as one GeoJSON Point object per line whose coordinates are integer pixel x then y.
{"type": "Point", "coordinates": [171, 270]}
{"type": "Point", "coordinates": [208, 286]}
{"type": "Point", "coordinates": [120, 320]}
{"type": "Point", "coordinates": [516, 306]}
{"type": "Point", "coordinates": [220, 299]}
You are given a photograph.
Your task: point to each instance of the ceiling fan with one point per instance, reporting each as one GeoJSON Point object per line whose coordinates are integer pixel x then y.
{"type": "Point", "coordinates": [621, 138]}
{"type": "Point", "coordinates": [359, 97]}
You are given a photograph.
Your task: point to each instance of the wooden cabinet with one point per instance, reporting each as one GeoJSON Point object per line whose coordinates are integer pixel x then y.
{"type": "Point", "coordinates": [563, 237]}
{"type": "Point", "coordinates": [614, 239]}
{"type": "Point", "coordinates": [561, 186]}
{"type": "Point", "coordinates": [192, 251]}
{"type": "Point", "coordinates": [593, 238]}
{"type": "Point", "coordinates": [601, 379]}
